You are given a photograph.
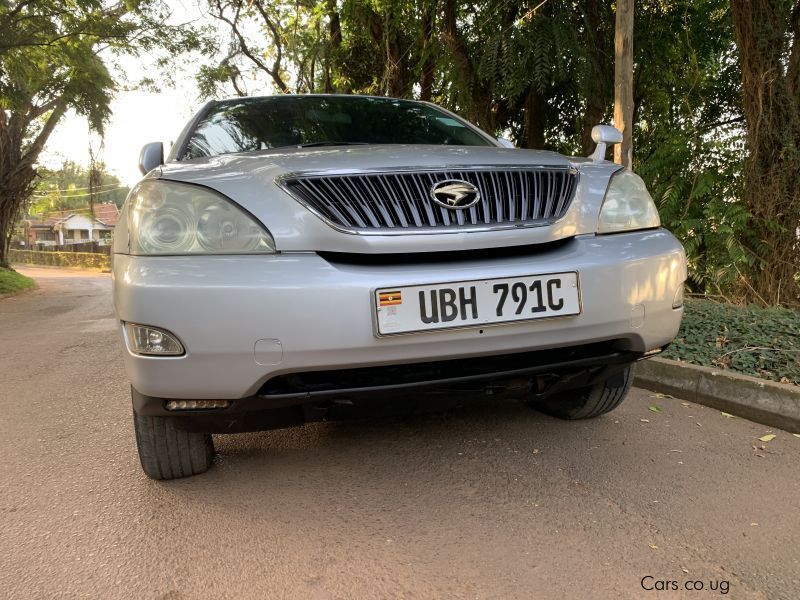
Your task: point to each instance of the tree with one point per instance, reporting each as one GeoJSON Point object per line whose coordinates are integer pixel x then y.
{"type": "Point", "coordinates": [768, 39]}
{"type": "Point", "coordinates": [51, 60]}
{"type": "Point", "coordinates": [623, 81]}
{"type": "Point", "coordinates": [72, 187]}
{"type": "Point", "coordinates": [543, 74]}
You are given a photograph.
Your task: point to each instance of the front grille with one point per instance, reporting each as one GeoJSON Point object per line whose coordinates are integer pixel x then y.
{"type": "Point", "coordinates": [381, 202]}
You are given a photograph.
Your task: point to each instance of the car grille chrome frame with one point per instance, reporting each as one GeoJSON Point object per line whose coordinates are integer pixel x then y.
{"type": "Point", "coordinates": [399, 202]}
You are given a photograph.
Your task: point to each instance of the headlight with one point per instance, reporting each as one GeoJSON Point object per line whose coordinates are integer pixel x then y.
{"type": "Point", "coordinates": [627, 205]}
{"type": "Point", "coordinates": [177, 218]}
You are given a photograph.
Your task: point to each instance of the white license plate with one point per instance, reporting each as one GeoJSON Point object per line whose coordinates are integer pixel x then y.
{"type": "Point", "coordinates": [469, 303]}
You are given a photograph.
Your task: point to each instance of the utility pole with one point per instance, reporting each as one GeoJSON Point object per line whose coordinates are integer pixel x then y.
{"type": "Point", "coordinates": [623, 81]}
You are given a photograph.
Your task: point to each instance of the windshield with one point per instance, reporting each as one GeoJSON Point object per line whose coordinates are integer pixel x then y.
{"type": "Point", "coordinates": [275, 122]}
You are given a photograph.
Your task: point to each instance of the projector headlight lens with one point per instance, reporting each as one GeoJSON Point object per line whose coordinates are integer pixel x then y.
{"type": "Point", "coordinates": [168, 218]}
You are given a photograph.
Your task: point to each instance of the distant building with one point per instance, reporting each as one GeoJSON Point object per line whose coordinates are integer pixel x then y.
{"type": "Point", "coordinates": [71, 227]}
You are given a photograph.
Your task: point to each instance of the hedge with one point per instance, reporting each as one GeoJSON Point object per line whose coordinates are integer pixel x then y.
{"type": "Point", "coordinates": [763, 342]}
{"type": "Point", "coordinates": [85, 260]}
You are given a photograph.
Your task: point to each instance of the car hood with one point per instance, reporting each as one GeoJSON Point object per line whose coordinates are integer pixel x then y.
{"type": "Point", "coordinates": [250, 180]}
{"type": "Point", "coordinates": [360, 158]}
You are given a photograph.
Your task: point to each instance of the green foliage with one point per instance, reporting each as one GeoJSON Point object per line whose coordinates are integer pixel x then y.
{"type": "Point", "coordinates": [54, 57]}
{"type": "Point", "coordinates": [763, 342]}
{"type": "Point", "coordinates": [12, 282]}
{"type": "Point", "coordinates": [67, 188]}
{"type": "Point", "coordinates": [689, 142]}
{"type": "Point", "coordinates": [83, 260]}
{"type": "Point", "coordinates": [52, 51]}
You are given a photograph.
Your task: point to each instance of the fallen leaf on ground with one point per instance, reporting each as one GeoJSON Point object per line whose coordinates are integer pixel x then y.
{"type": "Point", "coordinates": [660, 395]}
{"type": "Point", "coordinates": [768, 438]}
{"type": "Point", "coordinates": [654, 547]}
{"type": "Point", "coordinates": [728, 415]}
{"type": "Point", "coordinates": [753, 524]}
{"type": "Point", "coordinates": [654, 408]}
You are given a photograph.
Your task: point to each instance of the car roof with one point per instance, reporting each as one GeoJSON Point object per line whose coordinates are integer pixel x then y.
{"type": "Point", "coordinates": [296, 96]}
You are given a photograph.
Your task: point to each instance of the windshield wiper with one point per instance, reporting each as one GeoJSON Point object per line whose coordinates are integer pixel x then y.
{"type": "Point", "coordinates": [312, 144]}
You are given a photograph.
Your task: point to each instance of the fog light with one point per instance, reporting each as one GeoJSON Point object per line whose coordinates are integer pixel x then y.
{"type": "Point", "coordinates": [143, 339]}
{"type": "Point", "coordinates": [677, 300]}
{"type": "Point", "coordinates": [197, 404]}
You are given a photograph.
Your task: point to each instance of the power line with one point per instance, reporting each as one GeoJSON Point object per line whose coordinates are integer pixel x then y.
{"type": "Point", "coordinates": [69, 190]}
{"type": "Point", "coordinates": [46, 196]}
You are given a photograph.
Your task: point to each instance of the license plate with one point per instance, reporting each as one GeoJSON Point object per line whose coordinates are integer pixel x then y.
{"type": "Point", "coordinates": [420, 308]}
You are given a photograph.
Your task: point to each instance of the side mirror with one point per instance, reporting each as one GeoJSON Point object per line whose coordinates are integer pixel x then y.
{"type": "Point", "coordinates": [151, 156]}
{"type": "Point", "coordinates": [602, 135]}
{"type": "Point", "coordinates": [506, 143]}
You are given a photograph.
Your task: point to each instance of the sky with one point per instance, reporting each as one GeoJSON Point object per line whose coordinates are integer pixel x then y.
{"type": "Point", "coordinates": [138, 116]}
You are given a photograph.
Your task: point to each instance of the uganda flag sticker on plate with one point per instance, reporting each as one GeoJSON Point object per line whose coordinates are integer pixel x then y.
{"type": "Point", "coordinates": [390, 298]}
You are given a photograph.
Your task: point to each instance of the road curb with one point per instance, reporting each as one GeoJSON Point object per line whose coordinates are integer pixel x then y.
{"type": "Point", "coordinates": [767, 402]}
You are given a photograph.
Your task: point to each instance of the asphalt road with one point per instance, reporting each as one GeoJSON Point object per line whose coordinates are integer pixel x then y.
{"type": "Point", "coordinates": [488, 501]}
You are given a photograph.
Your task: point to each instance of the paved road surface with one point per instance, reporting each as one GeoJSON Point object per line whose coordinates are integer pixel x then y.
{"type": "Point", "coordinates": [489, 501]}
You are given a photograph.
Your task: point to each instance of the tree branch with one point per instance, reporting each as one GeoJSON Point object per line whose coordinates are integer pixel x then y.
{"type": "Point", "coordinates": [33, 151]}
{"type": "Point", "coordinates": [245, 49]}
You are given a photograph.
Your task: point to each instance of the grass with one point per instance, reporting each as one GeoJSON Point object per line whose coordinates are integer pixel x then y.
{"type": "Point", "coordinates": [12, 282]}
{"type": "Point", "coordinates": [763, 342]}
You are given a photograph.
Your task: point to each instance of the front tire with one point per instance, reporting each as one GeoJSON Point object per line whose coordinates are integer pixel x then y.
{"type": "Point", "coordinates": [588, 402]}
{"type": "Point", "coordinates": [167, 452]}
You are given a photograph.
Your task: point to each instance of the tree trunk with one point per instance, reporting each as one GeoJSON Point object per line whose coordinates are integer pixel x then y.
{"type": "Point", "coordinates": [478, 104]}
{"type": "Point", "coordinates": [17, 174]}
{"type": "Point", "coordinates": [599, 76]}
{"type": "Point", "coordinates": [768, 38]}
{"type": "Point", "coordinates": [395, 71]}
{"type": "Point", "coordinates": [535, 107]}
{"type": "Point", "coordinates": [623, 81]}
{"type": "Point", "coordinates": [428, 65]}
{"type": "Point", "coordinates": [334, 45]}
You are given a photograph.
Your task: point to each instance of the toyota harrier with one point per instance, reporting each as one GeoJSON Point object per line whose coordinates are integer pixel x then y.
{"type": "Point", "coordinates": [297, 258]}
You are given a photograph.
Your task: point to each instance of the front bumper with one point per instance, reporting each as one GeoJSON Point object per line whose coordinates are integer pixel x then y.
{"type": "Point", "coordinates": [286, 401]}
{"type": "Point", "coordinates": [247, 319]}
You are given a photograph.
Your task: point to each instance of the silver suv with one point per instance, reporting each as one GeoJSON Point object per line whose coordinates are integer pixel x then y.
{"type": "Point", "coordinates": [299, 258]}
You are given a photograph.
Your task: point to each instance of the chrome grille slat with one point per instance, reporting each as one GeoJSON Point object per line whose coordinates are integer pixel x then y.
{"type": "Point", "coordinates": [523, 186]}
{"type": "Point", "coordinates": [420, 192]}
{"type": "Point", "coordinates": [346, 204]}
{"type": "Point", "coordinates": [370, 202]}
{"type": "Point", "coordinates": [380, 202]}
{"type": "Point", "coordinates": [402, 185]}
{"type": "Point", "coordinates": [512, 200]}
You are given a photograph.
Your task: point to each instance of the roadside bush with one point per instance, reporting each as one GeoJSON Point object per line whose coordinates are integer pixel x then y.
{"type": "Point", "coordinates": [762, 342]}
{"type": "Point", "coordinates": [85, 260]}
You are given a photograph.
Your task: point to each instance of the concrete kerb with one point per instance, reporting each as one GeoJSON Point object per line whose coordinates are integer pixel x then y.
{"type": "Point", "coordinates": [767, 402]}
